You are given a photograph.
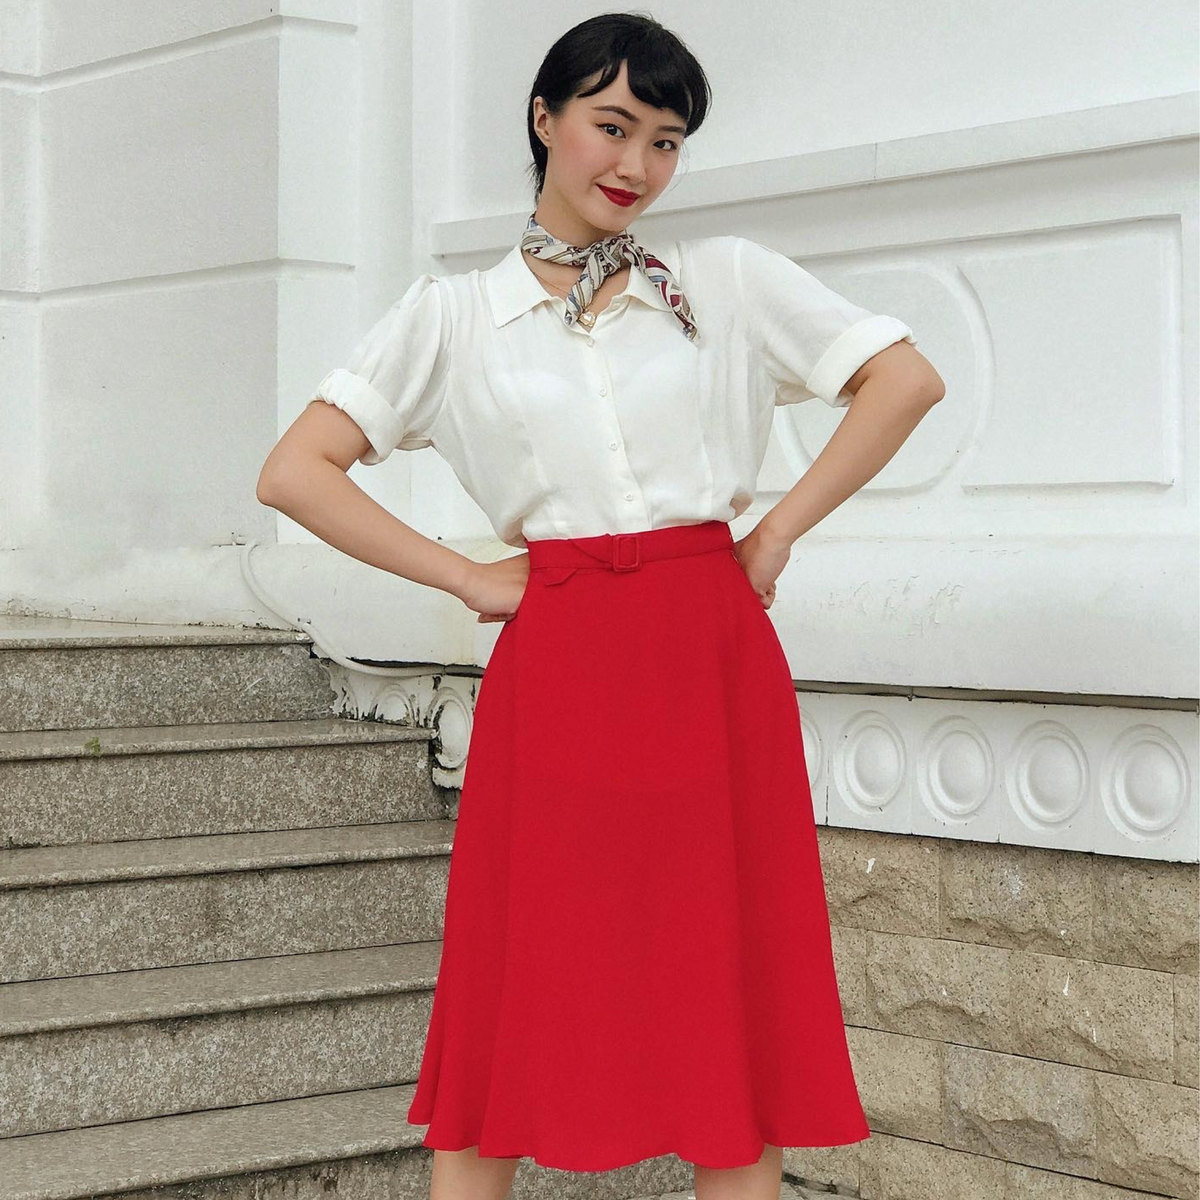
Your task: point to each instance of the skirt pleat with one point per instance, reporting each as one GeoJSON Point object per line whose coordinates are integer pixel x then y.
{"type": "Point", "coordinates": [636, 957]}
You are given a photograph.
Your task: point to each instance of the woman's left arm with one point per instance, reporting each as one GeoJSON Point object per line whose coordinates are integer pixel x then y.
{"type": "Point", "coordinates": [892, 391]}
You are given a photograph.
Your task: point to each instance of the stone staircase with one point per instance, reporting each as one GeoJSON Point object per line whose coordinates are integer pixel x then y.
{"type": "Point", "coordinates": [220, 922]}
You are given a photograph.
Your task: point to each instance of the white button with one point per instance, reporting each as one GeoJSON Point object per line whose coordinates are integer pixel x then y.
{"type": "Point", "coordinates": [628, 495]}
{"type": "Point", "coordinates": [591, 341]}
{"type": "Point", "coordinates": [603, 390]}
{"type": "Point", "coordinates": [612, 445]}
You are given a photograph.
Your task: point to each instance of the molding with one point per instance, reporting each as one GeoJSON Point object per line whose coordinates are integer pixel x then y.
{"type": "Point", "coordinates": [1056, 135]}
{"type": "Point", "coordinates": [439, 701]}
{"type": "Point", "coordinates": [1104, 780]}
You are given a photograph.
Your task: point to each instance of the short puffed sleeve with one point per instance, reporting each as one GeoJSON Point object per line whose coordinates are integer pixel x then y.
{"type": "Point", "coordinates": [394, 381]}
{"type": "Point", "coordinates": [811, 338]}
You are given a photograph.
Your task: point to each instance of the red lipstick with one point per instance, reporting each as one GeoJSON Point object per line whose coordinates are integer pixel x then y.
{"type": "Point", "coordinates": [624, 199]}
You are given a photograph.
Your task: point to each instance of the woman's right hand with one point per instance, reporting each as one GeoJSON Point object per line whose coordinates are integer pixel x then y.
{"type": "Point", "coordinates": [494, 589]}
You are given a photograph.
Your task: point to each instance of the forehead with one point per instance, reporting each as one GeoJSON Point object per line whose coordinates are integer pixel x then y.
{"type": "Point", "coordinates": [618, 93]}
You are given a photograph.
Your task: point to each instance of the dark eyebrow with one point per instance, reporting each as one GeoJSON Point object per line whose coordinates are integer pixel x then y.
{"type": "Point", "coordinates": [624, 112]}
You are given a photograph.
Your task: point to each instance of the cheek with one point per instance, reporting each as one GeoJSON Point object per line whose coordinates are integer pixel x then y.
{"type": "Point", "coordinates": [661, 173]}
{"type": "Point", "coordinates": [586, 155]}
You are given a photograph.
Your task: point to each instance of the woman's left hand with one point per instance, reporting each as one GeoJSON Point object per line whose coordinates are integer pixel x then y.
{"type": "Point", "coordinates": [762, 558]}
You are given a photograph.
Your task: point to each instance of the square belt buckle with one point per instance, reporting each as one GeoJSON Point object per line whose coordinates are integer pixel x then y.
{"type": "Point", "coordinates": [621, 562]}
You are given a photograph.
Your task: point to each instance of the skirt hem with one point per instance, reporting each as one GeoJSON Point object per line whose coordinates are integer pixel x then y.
{"type": "Point", "coordinates": [615, 1161]}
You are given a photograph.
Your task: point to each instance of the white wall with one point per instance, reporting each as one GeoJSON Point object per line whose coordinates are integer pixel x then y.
{"type": "Point", "coordinates": [202, 206]}
{"type": "Point", "coordinates": [793, 78]}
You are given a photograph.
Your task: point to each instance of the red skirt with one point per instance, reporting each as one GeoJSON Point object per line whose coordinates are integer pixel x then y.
{"type": "Point", "coordinates": [636, 958]}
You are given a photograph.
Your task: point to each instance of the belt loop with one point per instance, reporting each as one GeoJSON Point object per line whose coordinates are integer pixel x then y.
{"type": "Point", "coordinates": [620, 562]}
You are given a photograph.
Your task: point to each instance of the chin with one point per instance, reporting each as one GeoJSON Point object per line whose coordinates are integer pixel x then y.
{"type": "Point", "coordinates": [614, 221]}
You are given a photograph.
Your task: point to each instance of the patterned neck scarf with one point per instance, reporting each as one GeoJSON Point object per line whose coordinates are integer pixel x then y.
{"type": "Point", "coordinates": [599, 261]}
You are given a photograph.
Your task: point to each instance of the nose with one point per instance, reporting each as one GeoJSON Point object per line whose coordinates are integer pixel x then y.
{"type": "Point", "coordinates": [632, 172]}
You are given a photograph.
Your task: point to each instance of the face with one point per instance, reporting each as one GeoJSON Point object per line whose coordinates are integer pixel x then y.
{"type": "Point", "coordinates": [591, 145]}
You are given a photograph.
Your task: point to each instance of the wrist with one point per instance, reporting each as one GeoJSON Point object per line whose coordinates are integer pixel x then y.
{"type": "Point", "coordinates": [460, 581]}
{"type": "Point", "coordinates": [770, 533]}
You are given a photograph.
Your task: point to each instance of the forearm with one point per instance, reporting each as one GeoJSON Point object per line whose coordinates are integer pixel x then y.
{"type": "Point", "coordinates": [875, 425]}
{"type": "Point", "coordinates": [320, 496]}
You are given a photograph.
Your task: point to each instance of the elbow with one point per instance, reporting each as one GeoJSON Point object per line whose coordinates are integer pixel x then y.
{"type": "Point", "coordinates": [930, 390]}
{"type": "Point", "coordinates": [267, 489]}
{"type": "Point", "coordinates": [286, 474]}
{"type": "Point", "coordinates": [915, 384]}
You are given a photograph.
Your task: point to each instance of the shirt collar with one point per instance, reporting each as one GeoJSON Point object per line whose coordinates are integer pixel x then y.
{"type": "Point", "coordinates": [513, 288]}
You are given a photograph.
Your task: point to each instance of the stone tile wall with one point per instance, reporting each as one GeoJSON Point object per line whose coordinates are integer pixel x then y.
{"type": "Point", "coordinates": [1022, 1021]}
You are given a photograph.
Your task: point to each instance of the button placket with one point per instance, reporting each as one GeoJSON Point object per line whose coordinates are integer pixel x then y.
{"type": "Point", "coordinates": [616, 442]}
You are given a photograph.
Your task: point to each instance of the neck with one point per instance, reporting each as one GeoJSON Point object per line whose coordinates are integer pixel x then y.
{"type": "Point", "coordinates": [561, 221]}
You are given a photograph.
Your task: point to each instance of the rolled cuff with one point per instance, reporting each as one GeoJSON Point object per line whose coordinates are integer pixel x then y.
{"type": "Point", "coordinates": [368, 409]}
{"type": "Point", "coordinates": [850, 351]}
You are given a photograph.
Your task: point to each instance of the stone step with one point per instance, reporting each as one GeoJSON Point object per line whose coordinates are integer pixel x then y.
{"type": "Point", "coordinates": [91, 1050]}
{"type": "Point", "coordinates": [787, 1191]}
{"type": "Point", "coordinates": [59, 787]}
{"type": "Point", "coordinates": [62, 673]}
{"type": "Point", "coordinates": [200, 989]}
{"type": "Point", "coordinates": [353, 1143]}
{"type": "Point", "coordinates": [122, 906]}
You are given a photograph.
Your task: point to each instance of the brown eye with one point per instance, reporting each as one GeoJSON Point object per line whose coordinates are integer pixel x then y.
{"type": "Point", "coordinates": [608, 125]}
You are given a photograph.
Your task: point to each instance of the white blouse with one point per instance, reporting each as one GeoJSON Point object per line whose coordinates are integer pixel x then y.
{"type": "Point", "coordinates": [570, 432]}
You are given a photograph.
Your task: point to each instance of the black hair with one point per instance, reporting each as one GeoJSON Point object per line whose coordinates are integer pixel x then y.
{"type": "Point", "coordinates": [662, 72]}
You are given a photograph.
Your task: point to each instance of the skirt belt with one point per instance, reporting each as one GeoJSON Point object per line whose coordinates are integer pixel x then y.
{"type": "Point", "coordinates": [625, 551]}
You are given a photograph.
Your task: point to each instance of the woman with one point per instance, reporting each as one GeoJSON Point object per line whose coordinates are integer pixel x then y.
{"type": "Point", "coordinates": [637, 956]}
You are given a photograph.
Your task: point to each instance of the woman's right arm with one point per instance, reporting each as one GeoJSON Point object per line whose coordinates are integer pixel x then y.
{"type": "Point", "coordinates": [305, 478]}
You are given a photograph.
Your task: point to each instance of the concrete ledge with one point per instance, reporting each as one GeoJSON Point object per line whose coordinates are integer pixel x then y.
{"type": "Point", "coordinates": [159, 993]}
{"type": "Point", "coordinates": [102, 1159]}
